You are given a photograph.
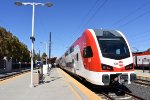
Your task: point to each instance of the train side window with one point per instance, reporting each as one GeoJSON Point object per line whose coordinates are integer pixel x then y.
{"type": "Point", "coordinates": [71, 49]}
{"type": "Point", "coordinates": [77, 57]}
{"type": "Point", "coordinates": [66, 54]}
{"type": "Point", "coordinates": [87, 52]}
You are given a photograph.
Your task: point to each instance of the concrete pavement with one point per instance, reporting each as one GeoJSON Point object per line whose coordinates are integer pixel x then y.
{"type": "Point", "coordinates": [56, 86]}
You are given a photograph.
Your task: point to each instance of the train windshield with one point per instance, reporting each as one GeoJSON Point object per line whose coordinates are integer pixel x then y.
{"type": "Point", "coordinates": [113, 47]}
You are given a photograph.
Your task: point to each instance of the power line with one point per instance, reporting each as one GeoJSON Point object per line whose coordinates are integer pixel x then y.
{"type": "Point", "coordinates": [142, 40]}
{"type": "Point", "coordinates": [131, 13]}
{"type": "Point", "coordinates": [141, 34]}
{"type": "Point", "coordinates": [98, 9]}
{"type": "Point", "coordinates": [88, 14]}
{"type": "Point", "coordinates": [134, 19]}
{"type": "Point", "coordinates": [93, 15]}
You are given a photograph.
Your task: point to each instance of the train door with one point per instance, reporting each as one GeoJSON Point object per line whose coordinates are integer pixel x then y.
{"type": "Point", "coordinates": [77, 61]}
{"type": "Point", "coordinates": [73, 66]}
{"type": "Point", "coordinates": [87, 54]}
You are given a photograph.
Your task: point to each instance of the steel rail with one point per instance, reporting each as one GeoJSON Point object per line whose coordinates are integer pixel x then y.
{"type": "Point", "coordinates": [143, 82]}
{"type": "Point", "coordinates": [135, 96]}
{"type": "Point", "coordinates": [12, 75]}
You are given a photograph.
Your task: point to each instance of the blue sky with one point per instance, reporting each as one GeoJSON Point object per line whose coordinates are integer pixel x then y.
{"type": "Point", "coordinates": [67, 19]}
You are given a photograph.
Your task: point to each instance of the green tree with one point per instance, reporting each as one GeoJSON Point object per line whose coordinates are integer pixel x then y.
{"type": "Point", "coordinates": [10, 46]}
{"type": "Point", "coordinates": [44, 56]}
{"type": "Point", "coordinates": [36, 56]}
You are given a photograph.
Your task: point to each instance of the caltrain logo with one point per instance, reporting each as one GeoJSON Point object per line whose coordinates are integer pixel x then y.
{"type": "Point", "coordinates": [120, 63]}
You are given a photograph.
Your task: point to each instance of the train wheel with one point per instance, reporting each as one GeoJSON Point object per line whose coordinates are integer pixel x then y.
{"type": "Point", "coordinates": [120, 92]}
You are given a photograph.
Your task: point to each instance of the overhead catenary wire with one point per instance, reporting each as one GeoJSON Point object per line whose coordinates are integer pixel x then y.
{"type": "Point", "coordinates": [100, 6]}
{"type": "Point", "coordinates": [141, 43]}
{"type": "Point", "coordinates": [131, 13]}
{"type": "Point", "coordinates": [141, 39]}
{"type": "Point", "coordinates": [97, 5]}
{"type": "Point", "coordinates": [119, 21]}
{"type": "Point", "coordinates": [88, 13]}
{"type": "Point", "coordinates": [134, 19]}
{"type": "Point", "coordinates": [94, 14]}
{"type": "Point", "coordinates": [141, 34]}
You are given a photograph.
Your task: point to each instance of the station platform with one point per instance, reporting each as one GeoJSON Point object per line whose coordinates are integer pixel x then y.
{"type": "Point", "coordinates": [143, 75]}
{"type": "Point", "coordinates": [57, 86]}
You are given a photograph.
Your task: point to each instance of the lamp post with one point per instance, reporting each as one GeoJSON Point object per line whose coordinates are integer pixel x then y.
{"type": "Point", "coordinates": [33, 4]}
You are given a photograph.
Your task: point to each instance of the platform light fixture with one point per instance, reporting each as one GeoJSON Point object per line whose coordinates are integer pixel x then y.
{"type": "Point", "coordinates": [33, 4]}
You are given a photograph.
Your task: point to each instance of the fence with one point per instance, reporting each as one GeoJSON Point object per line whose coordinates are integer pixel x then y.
{"type": "Point", "coordinates": [2, 64]}
{"type": "Point", "coordinates": [8, 66]}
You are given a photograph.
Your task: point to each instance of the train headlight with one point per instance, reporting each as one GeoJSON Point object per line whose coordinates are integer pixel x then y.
{"type": "Point", "coordinates": [128, 67]}
{"type": "Point", "coordinates": [132, 77]}
{"type": "Point", "coordinates": [105, 79]}
{"type": "Point", "coordinates": [123, 78]}
{"type": "Point", "coordinates": [106, 67]}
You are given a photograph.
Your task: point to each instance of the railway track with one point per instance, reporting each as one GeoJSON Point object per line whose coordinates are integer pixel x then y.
{"type": "Point", "coordinates": [106, 95]}
{"type": "Point", "coordinates": [113, 96]}
{"type": "Point", "coordinates": [7, 76]}
{"type": "Point", "coordinates": [142, 82]}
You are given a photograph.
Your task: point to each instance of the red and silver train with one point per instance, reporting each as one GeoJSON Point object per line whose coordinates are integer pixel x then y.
{"type": "Point", "coordinates": [142, 59]}
{"type": "Point", "coordinates": [101, 57]}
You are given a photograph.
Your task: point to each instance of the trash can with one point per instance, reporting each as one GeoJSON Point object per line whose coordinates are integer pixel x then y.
{"type": "Point", "coordinates": [36, 77]}
{"type": "Point", "coordinates": [45, 69]}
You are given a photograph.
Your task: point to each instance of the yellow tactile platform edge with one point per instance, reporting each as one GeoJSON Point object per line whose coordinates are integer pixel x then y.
{"type": "Point", "coordinates": [91, 95]}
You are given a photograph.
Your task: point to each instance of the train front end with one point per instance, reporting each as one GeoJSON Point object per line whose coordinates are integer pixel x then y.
{"type": "Point", "coordinates": [116, 61]}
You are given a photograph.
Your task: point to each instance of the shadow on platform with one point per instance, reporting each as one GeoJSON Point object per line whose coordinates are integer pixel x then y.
{"type": "Point", "coordinates": [50, 80]}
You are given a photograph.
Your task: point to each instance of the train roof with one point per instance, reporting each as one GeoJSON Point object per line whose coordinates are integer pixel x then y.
{"type": "Point", "coordinates": [98, 32]}
{"type": "Point", "coordinates": [106, 32]}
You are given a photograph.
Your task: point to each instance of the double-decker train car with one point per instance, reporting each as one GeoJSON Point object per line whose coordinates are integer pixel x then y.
{"type": "Point", "coordinates": [100, 56]}
{"type": "Point", "coordinates": [141, 59]}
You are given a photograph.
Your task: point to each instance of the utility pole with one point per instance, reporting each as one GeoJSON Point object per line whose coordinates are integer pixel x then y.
{"type": "Point", "coordinates": [39, 55]}
{"type": "Point", "coordinates": [50, 45]}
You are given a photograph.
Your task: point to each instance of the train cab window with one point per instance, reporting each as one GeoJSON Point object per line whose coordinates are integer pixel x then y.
{"type": "Point", "coordinates": [118, 51]}
{"type": "Point", "coordinates": [113, 47]}
{"type": "Point", "coordinates": [87, 52]}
